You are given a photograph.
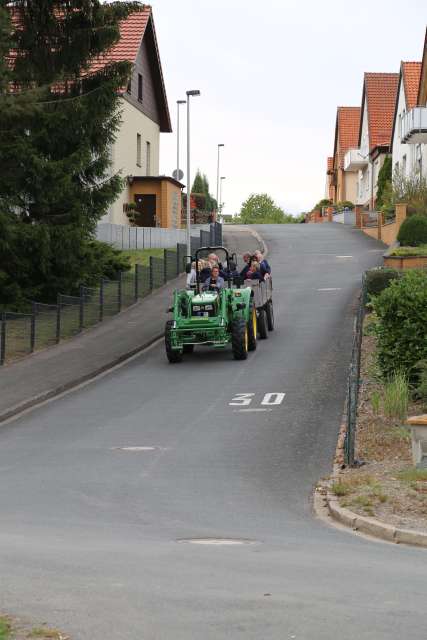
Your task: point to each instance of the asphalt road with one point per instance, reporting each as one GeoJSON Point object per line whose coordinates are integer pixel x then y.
{"type": "Point", "coordinates": [90, 535]}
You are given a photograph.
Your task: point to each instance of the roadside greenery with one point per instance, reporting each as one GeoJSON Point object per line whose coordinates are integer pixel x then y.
{"type": "Point", "coordinates": [411, 190]}
{"type": "Point", "coordinates": [260, 208]}
{"type": "Point", "coordinates": [400, 324]}
{"type": "Point", "coordinates": [378, 279]}
{"type": "Point", "coordinates": [142, 256]}
{"type": "Point", "coordinates": [384, 180]}
{"type": "Point", "coordinates": [421, 251]}
{"type": "Point", "coordinates": [56, 129]}
{"type": "Point", "coordinates": [413, 231]}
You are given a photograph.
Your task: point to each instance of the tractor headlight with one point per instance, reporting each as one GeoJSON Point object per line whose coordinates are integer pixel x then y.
{"type": "Point", "coordinates": [208, 307]}
{"type": "Point", "coordinates": [196, 308]}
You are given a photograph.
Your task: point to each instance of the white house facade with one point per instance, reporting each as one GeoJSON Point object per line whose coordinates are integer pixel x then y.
{"type": "Point", "coordinates": [377, 109]}
{"type": "Point", "coordinates": [143, 108]}
{"type": "Point", "coordinates": [414, 122]}
{"type": "Point", "coordinates": [406, 158]}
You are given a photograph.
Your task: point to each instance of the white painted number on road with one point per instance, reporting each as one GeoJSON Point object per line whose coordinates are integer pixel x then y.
{"type": "Point", "coordinates": [242, 399]}
{"type": "Point", "coordinates": [272, 398]}
{"type": "Point", "coordinates": [245, 399]}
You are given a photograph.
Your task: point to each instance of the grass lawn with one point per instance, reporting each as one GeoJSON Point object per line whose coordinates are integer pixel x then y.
{"type": "Point", "coordinates": [142, 256]}
{"type": "Point", "coordinates": [5, 628]}
{"type": "Point", "coordinates": [410, 251]}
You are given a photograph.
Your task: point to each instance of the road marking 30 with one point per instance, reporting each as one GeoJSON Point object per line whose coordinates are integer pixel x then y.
{"type": "Point", "coordinates": [245, 399]}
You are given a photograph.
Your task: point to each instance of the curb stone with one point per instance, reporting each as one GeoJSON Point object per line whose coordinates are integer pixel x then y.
{"type": "Point", "coordinates": [372, 526]}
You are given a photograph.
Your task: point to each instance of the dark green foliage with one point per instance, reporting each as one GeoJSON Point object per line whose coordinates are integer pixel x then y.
{"type": "Point", "coordinates": [345, 204]}
{"type": "Point", "coordinates": [379, 279]}
{"type": "Point", "coordinates": [420, 376]}
{"type": "Point", "coordinates": [384, 180]}
{"type": "Point", "coordinates": [57, 126]}
{"type": "Point", "coordinates": [413, 231]}
{"type": "Point", "coordinates": [200, 189]}
{"type": "Point", "coordinates": [325, 202]}
{"type": "Point", "coordinates": [39, 261]}
{"type": "Point", "coordinates": [400, 327]}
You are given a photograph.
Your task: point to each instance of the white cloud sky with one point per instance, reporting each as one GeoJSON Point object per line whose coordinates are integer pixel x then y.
{"type": "Point", "coordinates": [271, 75]}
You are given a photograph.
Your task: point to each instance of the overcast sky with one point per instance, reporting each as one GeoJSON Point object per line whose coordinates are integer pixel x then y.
{"type": "Point", "coordinates": [271, 75]}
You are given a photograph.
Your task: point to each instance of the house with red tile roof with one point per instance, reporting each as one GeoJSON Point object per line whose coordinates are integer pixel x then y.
{"type": "Point", "coordinates": [346, 137]}
{"type": "Point", "coordinates": [414, 120]}
{"type": "Point", "coordinates": [374, 139]}
{"type": "Point", "coordinates": [407, 158]}
{"type": "Point", "coordinates": [144, 116]}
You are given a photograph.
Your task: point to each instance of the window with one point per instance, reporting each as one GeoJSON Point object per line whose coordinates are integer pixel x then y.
{"type": "Point", "coordinates": [140, 87]}
{"type": "Point", "coordinates": [138, 149]}
{"type": "Point", "coordinates": [404, 165]}
{"type": "Point", "coordinates": [148, 158]}
{"type": "Point", "coordinates": [129, 87]}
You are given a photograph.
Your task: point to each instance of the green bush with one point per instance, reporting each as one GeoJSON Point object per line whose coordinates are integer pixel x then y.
{"type": "Point", "coordinates": [413, 231]}
{"type": "Point", "coordinates": [378, 279]}
{"type": "Point", "coordinates": [421, 250]}
{"type": "Point", "coordinates": [400, 326]}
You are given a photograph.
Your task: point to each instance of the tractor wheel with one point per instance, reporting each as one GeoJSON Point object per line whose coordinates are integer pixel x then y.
{"type": "Point", "coordinates": [172, 355]}
{"type": "Point", "coordinates": [262, 324]}
{"type": "Point", "coordinates": [252, 329]}
{"type": "Point", "coordinates": [239, 339]}
{"type": "Point", "coordinates": [270, 315]}
{"type": "Point", "coordinates": [188, 348]}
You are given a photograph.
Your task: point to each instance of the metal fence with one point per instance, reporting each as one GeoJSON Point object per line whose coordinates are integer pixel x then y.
{"type": "Point", "coordinates": [23, 333]}
{"type": "Point", "coordinates": [125, 237]}
{"type": "Point", "coordinates": [354, 378]}
{"type": "Point", "coordinates": [48, 324]}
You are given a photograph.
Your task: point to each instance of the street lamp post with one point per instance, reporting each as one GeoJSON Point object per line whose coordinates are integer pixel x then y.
{"type": "Point", "coordinates": [178, 103]}
{"type": "Point", "coordinates": [189, 94]}
{"type": "Point", "coordinates": [220, 193]}
{"type": "Point", "coordinates": [217, 178]}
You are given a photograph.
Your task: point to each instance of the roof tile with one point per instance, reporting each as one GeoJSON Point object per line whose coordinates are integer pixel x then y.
{"type": "Point", "coordinates": [132, 31]}
{"type": "Point", "coordinates": [380, 95]}
{"type": "Point", "coordinates": [411, 72]}
{"type": "Point", "coordinates": [347, 131]}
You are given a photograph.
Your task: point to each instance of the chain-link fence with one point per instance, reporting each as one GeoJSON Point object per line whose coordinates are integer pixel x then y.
{"type": "Point", "coordinates": [354, 378]}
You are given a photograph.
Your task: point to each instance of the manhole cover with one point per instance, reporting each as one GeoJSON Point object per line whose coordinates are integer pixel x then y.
{"type": "Point", "coordinates": [218, 541]}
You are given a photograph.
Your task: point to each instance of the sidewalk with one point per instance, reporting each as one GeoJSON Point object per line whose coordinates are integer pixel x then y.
{"type": "Point", "coordinates": [50, 372]}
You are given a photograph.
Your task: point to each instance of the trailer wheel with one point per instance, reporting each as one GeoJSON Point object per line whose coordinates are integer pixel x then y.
{"type": "Point", "coordinates": [270, 315]}
{"type": "Point", "coordinates": [252, 329]}
{"type": "Point", "coordinates": [262, 324]}
{"type": "Point", "coordinates": [172, 355]}
{"type": "Point", "coordinates": [239, 339]}
{"type": "Point", "coordinates": [188, 348]}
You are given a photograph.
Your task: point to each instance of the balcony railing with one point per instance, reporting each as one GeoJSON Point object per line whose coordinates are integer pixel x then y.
{"type": "Point", "coordinates": [353, 160]}
{"type": "Point", "coordinates": [414, 126]}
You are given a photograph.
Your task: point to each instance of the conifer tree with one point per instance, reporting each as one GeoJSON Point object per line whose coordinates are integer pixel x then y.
{"type": "Point", "coordinates": [59, 115]}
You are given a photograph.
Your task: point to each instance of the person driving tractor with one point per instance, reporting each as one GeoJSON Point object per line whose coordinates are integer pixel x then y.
{"type": "Point", "coordinates": [215, 281]}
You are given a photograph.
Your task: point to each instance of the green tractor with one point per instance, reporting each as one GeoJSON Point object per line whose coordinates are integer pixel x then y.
{"type": "Point", "coordinates": [206, 315]}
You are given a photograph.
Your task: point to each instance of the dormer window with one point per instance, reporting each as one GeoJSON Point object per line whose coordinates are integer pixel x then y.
{"type": "Point", "coordinates": [140, 87]}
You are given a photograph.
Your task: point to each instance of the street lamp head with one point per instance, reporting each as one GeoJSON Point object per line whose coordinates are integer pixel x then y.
{"type": "Point", "coordinates": [194, 92]}
{"type": "Point", "coordinates": [181, 101]}
{"type": "Point", "coordinates": [221, 145]}
{"type": "Point", "coordinates": [223, 177]}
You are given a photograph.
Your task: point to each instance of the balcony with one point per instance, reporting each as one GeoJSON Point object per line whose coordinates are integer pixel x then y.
{"type": "Point", "coordinates": [414, 126]}
{"type": "Point", "coordinates": [354, 161]}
